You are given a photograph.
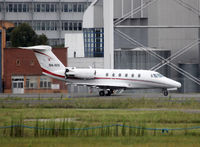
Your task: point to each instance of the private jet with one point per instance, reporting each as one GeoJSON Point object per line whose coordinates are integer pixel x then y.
{"type": "Point", "coordinates": [107, 81]}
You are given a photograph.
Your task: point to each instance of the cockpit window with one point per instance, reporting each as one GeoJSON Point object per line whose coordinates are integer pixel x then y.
{"type": "Point", "coordinates": [157, 75]}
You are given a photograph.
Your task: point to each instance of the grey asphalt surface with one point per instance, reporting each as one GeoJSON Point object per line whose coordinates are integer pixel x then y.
{"type": "Point", "coordinates": [87, 95]}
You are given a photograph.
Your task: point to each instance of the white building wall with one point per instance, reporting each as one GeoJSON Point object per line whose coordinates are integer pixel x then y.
{"type": "Point", "coordinates": [108, 34]}
{"type": "Point", "coordinates": [75, 45]}
{"type": "Point", "coordinates": [86, 62]}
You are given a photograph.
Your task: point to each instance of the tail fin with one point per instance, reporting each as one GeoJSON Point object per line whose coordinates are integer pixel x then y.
{"type": "Point", "coordinates": [47, 60]}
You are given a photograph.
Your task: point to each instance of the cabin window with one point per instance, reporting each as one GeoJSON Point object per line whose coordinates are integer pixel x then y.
{"type": "Point", "coordinates": [155, 75]}
{"type": "Point", "coordinates": [151, 75]}
{"type": "Point", "coordinates": [139, 75]}
{"type": "Point", "coordinates": [132, 75]}
{"type": "Point", "coordinates": [106, 74]}
{"type": "Point", "coordinates": [126, 75]}
{"type": "Point", "coordinates": [95, 72]}
{"type": "Point", "coordinates": [113, 74]}
{"type": "Point", "coordinates": [119, 75]}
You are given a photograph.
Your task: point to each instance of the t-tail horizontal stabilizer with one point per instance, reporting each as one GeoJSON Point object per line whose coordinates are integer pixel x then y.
{"type": "Point", "coordinates": [49, 63]}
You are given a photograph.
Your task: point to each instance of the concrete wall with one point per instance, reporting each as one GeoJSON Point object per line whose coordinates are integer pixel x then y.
{"type": "Point", "coordinates": [139, 59]}
{"type": "Point", "coordinates": [171, 13]}
{"type": "Point", "coordinates": [75, 45]}
{"type": "Point", "coordinates": [86, 62]}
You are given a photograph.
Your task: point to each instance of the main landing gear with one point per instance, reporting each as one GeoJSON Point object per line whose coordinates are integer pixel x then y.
{"type": "Point", "coordinates": [165, 92]}
{"type": "Point", "coordinates": [105, 92]}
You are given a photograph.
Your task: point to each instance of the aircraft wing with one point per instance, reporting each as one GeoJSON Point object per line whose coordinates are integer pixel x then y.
{"type": "Point", "coordinates": [104, 85]}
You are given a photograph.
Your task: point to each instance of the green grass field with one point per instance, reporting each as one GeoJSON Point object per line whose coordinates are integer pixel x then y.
{"type": "Point", "coordinates": [124, 111]}
{"type": "Point", "coordinates": [147, 141]}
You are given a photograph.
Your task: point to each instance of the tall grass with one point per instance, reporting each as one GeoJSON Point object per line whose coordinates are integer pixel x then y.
{"type": "Point", "coordinates": [65, 128]}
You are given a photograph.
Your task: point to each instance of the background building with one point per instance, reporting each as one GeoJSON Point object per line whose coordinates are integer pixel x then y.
{"type": "Point", "coordinates": [53, 18]}
{"type": "Point", "coordinates": [22, 72]}
{"type": "Point", "coordinates": [158, 24]}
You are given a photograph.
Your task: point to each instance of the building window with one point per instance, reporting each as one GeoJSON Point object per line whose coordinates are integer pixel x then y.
{"type": "Point", "coordinates": [18, 62]}
{"type": "Point", "coordinates": [69, 7]}
{"type": "Point", "coordinates": [43, 9]}
{"type": "Point", "coordinates": [43, 26]}
{"type": "Point", "coordinates": [79, 26]}
{"type": "Point", "coordinates": [70, 26]}
{"type": "Point", "coordinates": [25, 8]}
{"type": "Point", "coordinates": [31, 82]}
{"type": "Point", "coordinates": [66, 26]}
{"type": "Point", "coordinates": [15, 8]}
{"type": "Point", "coordinates": [45, 82]}
{"type": "Point", "coordinates": [32, 63]}
{"type": "Point", "coordinates": [19, 7]}
{"type": "Point", "coordinates": [47, 7]}
{"type": "Point", "coordinates": [79, 7]}
{"type": "Point", "coordinates": [38, 8]}
{"type": "Point", "coordinates": [65, 9]}
{"type": "Point", "coordinates": [75, 26]}
{"type": "Point", "coordinates": [53, 8]}
{"type": "Point", "coordinates": [10, 7]}
{"type": "Point", "coordinates": [74, 7]}
{"type": "Point", "coordinates": [93, 42]}
{"type": "Point", "coordinates": [47, 25]}
{"type": "Point", "coordinates": [38, 26]}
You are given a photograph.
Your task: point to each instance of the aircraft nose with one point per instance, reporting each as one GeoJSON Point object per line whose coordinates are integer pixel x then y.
{"type": "Point", "coordinates": [177, 84]}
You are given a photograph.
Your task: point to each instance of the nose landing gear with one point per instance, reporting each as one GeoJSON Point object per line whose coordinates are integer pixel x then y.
{"type": "Point", "coordinates": [165, 92]}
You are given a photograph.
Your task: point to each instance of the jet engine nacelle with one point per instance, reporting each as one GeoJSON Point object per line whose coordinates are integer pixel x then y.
{"type": "Point", "coordinates": [80, 74]}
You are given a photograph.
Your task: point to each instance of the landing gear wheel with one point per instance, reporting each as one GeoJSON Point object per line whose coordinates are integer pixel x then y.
{"type": "Point", "coordinates": [108, 93]}
{"type": "Point", "coordinates": [101, 93]}
{"type": "Point", "coordinates": [165, 93]}
{"type": "Point", "coordinates": [112, 91]}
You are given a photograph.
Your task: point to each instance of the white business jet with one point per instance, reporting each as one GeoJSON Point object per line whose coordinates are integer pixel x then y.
{"type": "Point", "coordinates": [106, 80]}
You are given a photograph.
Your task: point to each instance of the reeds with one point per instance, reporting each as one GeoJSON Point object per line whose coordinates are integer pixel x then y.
{"type": "Point", "coordinates": [66, 128]}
